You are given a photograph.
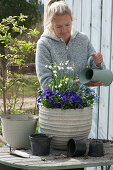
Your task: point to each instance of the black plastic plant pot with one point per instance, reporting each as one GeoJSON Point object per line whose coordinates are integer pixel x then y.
{"type": "Point", "coordinates": [96, 149]}
{"type": "Point", "coordinates": [76, 148]}
{"type": "Point", "coordinates": [40, 144]}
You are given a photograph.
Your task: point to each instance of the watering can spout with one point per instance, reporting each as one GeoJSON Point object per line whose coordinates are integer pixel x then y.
{"type": "Point", "coordinates": [89, 74]}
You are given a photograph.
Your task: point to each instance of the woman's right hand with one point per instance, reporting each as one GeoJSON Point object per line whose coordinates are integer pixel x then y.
{"type": "Point", "coordinates": [98, 58]}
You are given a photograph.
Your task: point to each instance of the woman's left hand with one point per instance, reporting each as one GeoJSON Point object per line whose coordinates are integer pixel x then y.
{"type": "Point", "coordinates": [94, 83]}
{"type": "Point", "coordinates": [98, 58]}
{"type": "Point", "coordinates": [90, 83]}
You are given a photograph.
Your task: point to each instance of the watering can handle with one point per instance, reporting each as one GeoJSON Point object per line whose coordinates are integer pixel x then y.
{"type": "Point", "coordinates": [89, 60]}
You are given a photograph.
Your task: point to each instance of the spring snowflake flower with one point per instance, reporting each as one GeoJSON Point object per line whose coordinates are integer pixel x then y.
{"type": "Point", "coordinates": [67, 62]}
{"type": "Point", "coordinates": [55, 75]}
{"type": "Point", "coordinates": [46, 66]}
{"type": "Point", "coordinates": [69, 68]}
{"type": "Point", "coordinates": [60, 85]}
{"type": "Point", "coordinates": [59, 68]}
{"type": "Point", "coordinates": [54, 71]}
{"type": "Point", "coordinates": [67, 79]}
{"type": "Point", "coordinates": [50, 67]}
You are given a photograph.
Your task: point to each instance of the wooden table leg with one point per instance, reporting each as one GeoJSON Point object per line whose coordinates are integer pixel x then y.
{"type": "Point", "coordinates": [102, 167]}
{"type": "Point", "coordinates": [108, 167]}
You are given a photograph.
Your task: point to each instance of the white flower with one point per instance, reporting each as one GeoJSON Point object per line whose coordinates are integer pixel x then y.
{"type": "Point", "coordinates": [67, 79]}
{"type": "Point", "coordinates": [66, 63]}
{"type": "Point", "coordinates": [60, 85]}
{"type": "Point", "coordinates": [55, 75]}
{"type": "Point", "coordinates": [50, 67]}
{"type": "Point", "coordinates": [59, 67]}
{"type": "Point", "coordinates": [70, 68]}
{"type": "Point", "coordinates": [54, 66]}
{"type": "Point", "coordinates": [54, 71]}
{"type": "Point", "coordinates": [55, 86]}
{"type": "Point", "coordinates": [46, 66]}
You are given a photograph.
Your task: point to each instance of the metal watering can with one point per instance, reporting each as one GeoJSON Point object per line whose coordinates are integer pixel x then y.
{"type": "Point", "coordinates": [89, 74]}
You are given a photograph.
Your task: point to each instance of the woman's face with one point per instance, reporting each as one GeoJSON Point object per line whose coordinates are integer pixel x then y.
{"type": "Point", "coordinates": [62, 25]}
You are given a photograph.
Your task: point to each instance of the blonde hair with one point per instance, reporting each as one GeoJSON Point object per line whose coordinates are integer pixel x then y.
{"type": "Point", "coordinates": [53, 9]}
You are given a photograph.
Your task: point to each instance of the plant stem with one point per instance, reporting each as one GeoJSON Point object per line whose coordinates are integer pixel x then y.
{"type": "Point", "coordinates": [4, 75]}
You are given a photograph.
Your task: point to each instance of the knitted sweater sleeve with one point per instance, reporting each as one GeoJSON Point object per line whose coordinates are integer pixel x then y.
{"type": "Point", "coordinates": [43, 58]}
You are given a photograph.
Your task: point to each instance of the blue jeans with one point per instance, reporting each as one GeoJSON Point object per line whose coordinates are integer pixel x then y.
{"type": "Point", "coordinates": [39, 131]}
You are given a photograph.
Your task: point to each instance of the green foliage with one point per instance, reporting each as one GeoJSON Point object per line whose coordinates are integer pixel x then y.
{"type": "Point", "coordinates": [15, 7]}
{"type": "Point", "coordinates": [63, 92]}
{"type": "Point", "coordinates": [16, 47]}
{"type": "Point", "coordinates": [14, 50]}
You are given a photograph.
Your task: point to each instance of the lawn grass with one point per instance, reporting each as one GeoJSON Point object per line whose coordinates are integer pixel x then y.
{"type": "Point", "coordinates": [31, 85]}
{"type": "Point", "coordinates": [1, 144]}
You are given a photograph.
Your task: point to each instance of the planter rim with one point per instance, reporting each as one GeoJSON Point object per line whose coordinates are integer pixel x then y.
{"type": "Point", "coordinates": [41, 106]}
{"type": "Point", "coordinates": [9, 117]}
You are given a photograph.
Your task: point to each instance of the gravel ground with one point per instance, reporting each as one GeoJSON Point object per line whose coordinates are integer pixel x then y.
{"type": "Point", "coordinates": [29, 102]}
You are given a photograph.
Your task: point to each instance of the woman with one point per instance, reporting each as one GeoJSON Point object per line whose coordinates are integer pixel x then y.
{"type": "Point", "coordinates": [60, 42]}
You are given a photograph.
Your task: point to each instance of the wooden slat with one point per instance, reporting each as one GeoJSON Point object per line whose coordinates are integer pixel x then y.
{"type": "Point", "coordinates": [110, 134]}
{"type": "Point", "coordinates": [86, 17]}
{"type": "Point", "coordinates": [70, 3]}
{"type": "Point", "coordinates": [105, 49]}
{"type": "Point", "coordinates": [96, 42]}
{"type": "Point", "coordinates": [77, 11]}
{"type": "Point", "coordinates": [96, 24]}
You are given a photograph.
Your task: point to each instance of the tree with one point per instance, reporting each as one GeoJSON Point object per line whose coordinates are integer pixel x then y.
{"type": "Point", "coordinates": [30, 8]}
{"type": "Point", "coordinates": [13, 50]}
{"type": "Point", "coordinates": [26, 7]}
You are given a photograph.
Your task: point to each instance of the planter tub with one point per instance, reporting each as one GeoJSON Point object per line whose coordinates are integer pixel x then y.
{"type": "Point", "coordinates": [65, 124]}
{"type": "Point", "coordinates": [17, 128]}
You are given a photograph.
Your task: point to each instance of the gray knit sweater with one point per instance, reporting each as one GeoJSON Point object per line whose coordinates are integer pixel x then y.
{"type": "Point", "coordinates": [51, 49]}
